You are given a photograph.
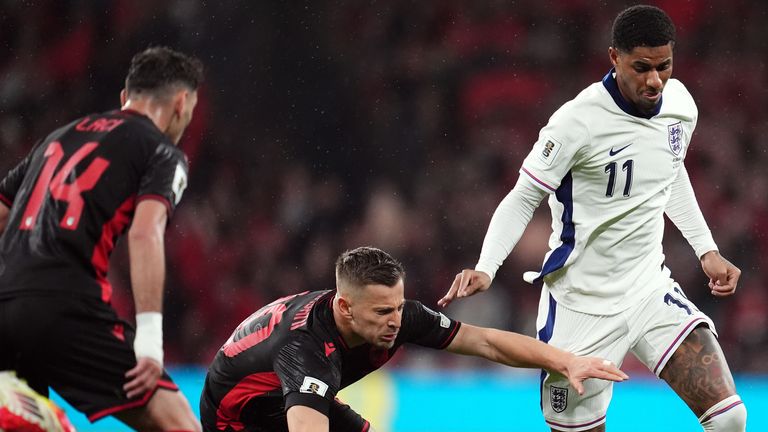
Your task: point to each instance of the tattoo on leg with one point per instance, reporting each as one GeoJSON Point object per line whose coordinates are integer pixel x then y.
{"type": "Point", "coordinates": [698, 372]}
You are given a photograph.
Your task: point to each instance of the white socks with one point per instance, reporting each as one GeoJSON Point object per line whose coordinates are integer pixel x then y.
{"type": "Point", "coordinates": [728, 415]}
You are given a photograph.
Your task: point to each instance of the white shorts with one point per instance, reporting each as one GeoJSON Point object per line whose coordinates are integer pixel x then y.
{"type": "Point", "coordinates": [651, 329]}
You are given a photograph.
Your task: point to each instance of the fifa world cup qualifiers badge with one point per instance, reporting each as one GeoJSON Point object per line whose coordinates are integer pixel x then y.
{"type": "Point", "coordinates": [549, 152]}
{"type": "Point", "coordinates": [313, 385]}
{"type": "Point", "coordinates": [558, 397]}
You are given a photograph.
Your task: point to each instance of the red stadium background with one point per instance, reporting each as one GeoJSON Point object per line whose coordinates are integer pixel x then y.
{"type": "Point", "coordinates": [401, 124]}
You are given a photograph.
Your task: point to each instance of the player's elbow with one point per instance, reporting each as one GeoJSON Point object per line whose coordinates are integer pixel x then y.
{"type": "Point", "coordinates": [145, 236]}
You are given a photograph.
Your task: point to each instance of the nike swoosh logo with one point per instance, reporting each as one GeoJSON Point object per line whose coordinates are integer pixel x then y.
{"type": "Point", "coordinates": [613, 152]}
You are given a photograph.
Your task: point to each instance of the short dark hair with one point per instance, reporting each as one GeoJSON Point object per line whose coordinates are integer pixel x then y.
{"type": "Point", "coordinates": [368, 266]}
{"type": "Point", "coordinates": [157, 69]}
{"type": "Point", "coordinates": [642, 25]}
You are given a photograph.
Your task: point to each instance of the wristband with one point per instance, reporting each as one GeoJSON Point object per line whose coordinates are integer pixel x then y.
{"type": "Point", "coordinates": [149, 336]}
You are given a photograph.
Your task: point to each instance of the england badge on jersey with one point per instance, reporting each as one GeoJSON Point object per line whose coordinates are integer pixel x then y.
{"type": "Point", "coordinates": [676, 137]}
{"type": "Point", "coordinates": [558, 397]}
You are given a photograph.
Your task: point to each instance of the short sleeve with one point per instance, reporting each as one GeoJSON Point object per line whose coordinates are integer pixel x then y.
{"type": "Point", "coordinates": [423, 326]}
{"type": "Point", "coordinates": [557, 150]}
{"type": "Point", "coordinates": [11, 183]}
{"type": "Point", "coordinates": [165, 177]}
{"type": "Point", "coordinates": [309, 378]}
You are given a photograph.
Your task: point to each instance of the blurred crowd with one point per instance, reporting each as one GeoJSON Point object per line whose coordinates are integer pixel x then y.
{"type": "Point", "coordinates": [400, 124]}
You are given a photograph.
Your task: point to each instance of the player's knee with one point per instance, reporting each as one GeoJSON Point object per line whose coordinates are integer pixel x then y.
{"type": "Point", "coordinates": [181, 421]}
{"type": "Point", "coordinates": [170, 411]}
{"type": "Point", "coordinates": [728, 415]}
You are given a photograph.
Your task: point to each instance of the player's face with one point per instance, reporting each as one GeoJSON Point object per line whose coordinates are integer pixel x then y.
{"type": "Point", "coordinates": [182, 115]}
{"type": "Point", "coordinates": [642, 74]}
{"type": "Point", "coordinates": [377, 313]}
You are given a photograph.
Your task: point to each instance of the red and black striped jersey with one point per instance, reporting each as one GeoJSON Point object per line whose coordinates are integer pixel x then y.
{"type": "Point", "coordinates": [291, 353]}
{"type": "Point", "coordinates": [74, 195]}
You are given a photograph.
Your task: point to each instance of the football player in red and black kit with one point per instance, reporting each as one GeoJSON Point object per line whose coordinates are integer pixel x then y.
{"type": "Point", "coordinates": [62, 208]}
{"type": "Point", "coordinates": [283, 366]}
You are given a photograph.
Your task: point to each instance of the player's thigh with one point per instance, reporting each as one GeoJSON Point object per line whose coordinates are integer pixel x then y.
{"type": "Point", "coordinates": [698, 371]}
{"type": "Point", "coordinates": [27, 339]}
{"type": "Point", "coordinates": [581, 334]}
{"type": "Point", "coordinates": [88, 364]}
{"type": "Point", "coordinates": [661, 323]}
{"type": "Point", "coordinates": [166, 410]}
{"type": "Point", "coordinates": [676, 341]}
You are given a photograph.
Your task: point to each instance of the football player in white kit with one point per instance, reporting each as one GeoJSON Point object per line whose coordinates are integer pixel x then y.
{"type": "Point", "coordinates": [611, 162]}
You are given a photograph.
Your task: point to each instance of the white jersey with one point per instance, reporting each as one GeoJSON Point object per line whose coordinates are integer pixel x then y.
{"type": "Point", "coordinates": [609, 171]}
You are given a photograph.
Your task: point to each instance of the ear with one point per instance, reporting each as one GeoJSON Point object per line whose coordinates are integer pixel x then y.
{"type": "Point", "coordinates": [179, 101]}
{"type": "Point", "coordinates": [123, 97]}
{"type": "Point", "coordinates": [613, 54]}
{"type": "Point", "coordinates": [345, 308]}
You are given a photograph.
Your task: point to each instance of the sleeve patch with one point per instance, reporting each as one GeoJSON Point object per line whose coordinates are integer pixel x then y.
{"type": "Point", "coordinates": [549, 151]}
{"type": "Point", "coordinates": [313, 385]}
{"type": "Point", "coordinates": [179, 183]}
{"type": "Point", "coordinates": [444, 321]}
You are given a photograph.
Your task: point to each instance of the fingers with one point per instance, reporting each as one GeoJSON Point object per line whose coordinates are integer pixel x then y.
{"type": "Point", "coordinates": [142, 378]}
{"type": "Point", "coordinates": [723, 289]}
{"type": "Point", "coordinates": [578, 386]}
{"type": "Point", "coordinates": [465, 287]}
{"type": "Point", "coordinates": [592, 367]}
{"type": "Point", "coordinates": [448, 298]}
{"type": "Point", "coordinates": [723, 275]}
{"type": "Point", "coordinates": [473, 281]}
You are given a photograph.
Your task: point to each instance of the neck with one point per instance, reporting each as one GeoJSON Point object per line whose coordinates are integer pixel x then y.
{"type": "Point", "coordinates": [351, 339]}
{"type": "Point", "coordinates": [150, 107]}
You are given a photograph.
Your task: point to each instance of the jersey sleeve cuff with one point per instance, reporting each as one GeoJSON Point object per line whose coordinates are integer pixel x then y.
{"type": "Point", "coordinates": [451, 336]}
{"type": "Point", "coordinates": [5, 200]}
{"type": "Point", "coordinates": [311, 400]}
{"type": "Point", "coordinates": [156, 197]}
{"type": "Point", "coordinates": [702, 250]}
{"type": "Point", "coordinates": [541, 184]}
{"type": "Point", "coordinates": [487, 268]}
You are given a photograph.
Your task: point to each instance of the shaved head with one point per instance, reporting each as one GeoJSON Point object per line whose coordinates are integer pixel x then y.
{"type": "Point", "coordinates": [363, 266]}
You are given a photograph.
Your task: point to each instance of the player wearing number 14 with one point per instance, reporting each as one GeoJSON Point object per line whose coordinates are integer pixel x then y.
{"type": "Point", "coordinates": [62, 208]}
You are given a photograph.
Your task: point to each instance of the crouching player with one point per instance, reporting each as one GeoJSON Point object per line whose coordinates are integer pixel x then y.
{"type": "Point", "coordinates": [282, 367]}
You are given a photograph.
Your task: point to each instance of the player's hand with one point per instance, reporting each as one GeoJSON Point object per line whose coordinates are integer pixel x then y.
{"type": "Point", "coordinates": [465, 284]}
{"type": "Point", "coordinates": [580, 368]}
{"type": "Point", "coordinates": [143, 377]}
{"type": "Point", "coordinates": [723, 275]}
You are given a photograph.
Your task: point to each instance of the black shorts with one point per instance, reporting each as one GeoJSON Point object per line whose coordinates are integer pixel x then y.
{"type": "Point", "coordinates": [267, 414]}
{"type": "Point", "coordinates": [77, 346]}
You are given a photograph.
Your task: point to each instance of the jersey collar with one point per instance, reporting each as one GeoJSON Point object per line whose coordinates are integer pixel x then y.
{"type": "Point", "coordinates": [609, 81]}
{"type": "Point", "coordinates": [327, 318]}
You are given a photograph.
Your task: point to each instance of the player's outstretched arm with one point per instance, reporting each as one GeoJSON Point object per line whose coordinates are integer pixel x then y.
{"type": "Point", "coordinates": [147, 259]}
{"type": "Point", "coordinates": [4, 213]}
{"type": "Point", "coordinates": [507, 226]}
{"type": "Point", "coordinates": [518, 350]}
{"type": "Point", "coordinates": [305, 419]}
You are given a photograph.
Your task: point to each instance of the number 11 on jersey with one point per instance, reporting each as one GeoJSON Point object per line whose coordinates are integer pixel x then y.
{"type": "Point", "coordinates": [610, 169]}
